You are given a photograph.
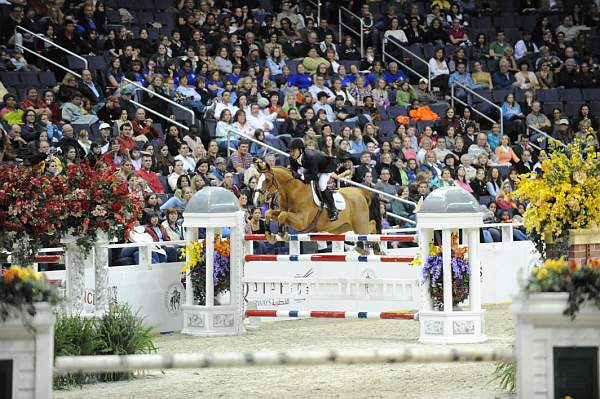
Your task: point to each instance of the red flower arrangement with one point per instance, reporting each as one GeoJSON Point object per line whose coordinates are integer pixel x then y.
{"type": "Point", "coordinates": [98, 201]}
{"type": "Point", "coordinates": [82, 203]}
{"type": "Point", "coordinates": [31, 208]}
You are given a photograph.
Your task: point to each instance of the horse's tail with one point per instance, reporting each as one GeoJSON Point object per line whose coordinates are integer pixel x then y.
{"type": "Point", "coordinates": [374, 211]}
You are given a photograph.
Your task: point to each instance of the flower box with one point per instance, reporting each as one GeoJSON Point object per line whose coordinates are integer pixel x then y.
{"type": "Point", "coordinates": [29, 352]}
{"type": "Point", "coordinates": [583, 244]}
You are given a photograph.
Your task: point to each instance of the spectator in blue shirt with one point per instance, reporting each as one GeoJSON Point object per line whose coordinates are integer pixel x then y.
{"type": "Point", "coordinates": [300, 79]}
{"type": "Point", "coordinates": [460, 76]}
{"type": "Point", "coordinates": [375, 74]}
{"type": "Point", "coordinates": [236, 74]}
{"type": "Point", "coordinates": [187, 70]}
{"type": "Point", "coordinates": [503, 78]}
{"type": "Point", "coordinates": [394, 76]}
{"type": "Point", "coordinates": [513, 117]}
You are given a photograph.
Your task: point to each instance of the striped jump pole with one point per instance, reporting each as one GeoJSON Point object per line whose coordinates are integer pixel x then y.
{"type": "Point", "coordinates": [328, 258]}
{"type": "Point", "coordinates": [85, 364]}
{"type": "Point", "coordinates": [337, 237]}
{"type": "Point", "coordinates": [328, 314]}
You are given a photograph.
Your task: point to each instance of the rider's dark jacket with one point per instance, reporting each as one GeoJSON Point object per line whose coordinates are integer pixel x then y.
{"type": "Point", "coordinates": [314, 162]}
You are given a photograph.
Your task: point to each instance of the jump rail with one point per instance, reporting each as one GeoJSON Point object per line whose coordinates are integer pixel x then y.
{"type": "Point", "coordinates": [331, 314]}
{"type": "Point", "coordinates": [328, 258]}
{"type": "Point", "coordinates": [336, 237]}
{"type": "Point", "coordinates": [85, 364]}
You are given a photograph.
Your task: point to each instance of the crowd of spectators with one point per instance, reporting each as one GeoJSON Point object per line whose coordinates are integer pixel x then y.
{"type": "Point", "coordinates": [272, 71]}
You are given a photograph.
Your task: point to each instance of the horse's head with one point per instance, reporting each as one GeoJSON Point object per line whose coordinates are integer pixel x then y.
{"type": "Point", "coordinates": [267, 184]}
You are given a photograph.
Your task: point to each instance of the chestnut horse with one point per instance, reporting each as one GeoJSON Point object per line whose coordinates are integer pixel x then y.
{"type": "Point", "coordinates": [298, 209]}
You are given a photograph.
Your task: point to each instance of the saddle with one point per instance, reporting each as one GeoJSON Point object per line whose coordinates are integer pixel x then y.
{"type": "Point", "coordinates": [340, 202]}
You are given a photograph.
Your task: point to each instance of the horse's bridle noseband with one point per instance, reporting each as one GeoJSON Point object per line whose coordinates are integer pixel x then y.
{"type": "Point", "coordinates": [268, 194]}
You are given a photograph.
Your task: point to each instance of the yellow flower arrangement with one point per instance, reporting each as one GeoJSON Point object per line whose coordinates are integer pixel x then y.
{"type": "Point", "coordinates": [565, 196]}
{"type": "Point", "coordinates": [193, 255]}
{"type": "Point", "coordinates": [21, 273]}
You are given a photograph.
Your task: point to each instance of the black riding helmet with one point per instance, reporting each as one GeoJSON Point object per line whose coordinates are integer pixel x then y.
{"type": "Point", "coordinates": [297, 144]}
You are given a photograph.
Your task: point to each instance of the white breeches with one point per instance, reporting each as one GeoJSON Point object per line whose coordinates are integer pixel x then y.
{"type": "Point", "coordinates": [323, 180]}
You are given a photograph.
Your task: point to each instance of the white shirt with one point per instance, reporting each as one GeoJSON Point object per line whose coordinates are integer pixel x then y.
{"type": "Point", "coordinates": [437, 70]}
{"type": "Point", "coordinates": [189, 163]}
{"type": "Point", "coordinates": [328, 110]}
{"type": "Point", "coordinates": [259, 121]}
{"type": "Point", "coordinates": [220, 106]}
{"type": "Point", "coordinates": [315, 90]}
{"type": "Point", "coordinates": [521, 49]}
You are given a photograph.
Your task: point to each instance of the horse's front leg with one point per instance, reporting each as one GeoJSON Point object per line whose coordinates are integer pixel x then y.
{"type": "Point", "coordinates": [270, 215]}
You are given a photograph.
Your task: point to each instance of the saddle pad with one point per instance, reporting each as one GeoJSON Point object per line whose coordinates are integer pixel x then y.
{"type": "Point", "coordinates": [340, 202]}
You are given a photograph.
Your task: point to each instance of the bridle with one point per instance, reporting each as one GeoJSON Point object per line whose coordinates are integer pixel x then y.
{"type": "Point", "coordinates": [271, 191]}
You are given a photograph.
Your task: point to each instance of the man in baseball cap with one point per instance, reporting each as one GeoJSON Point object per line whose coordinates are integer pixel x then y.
{"type": "Point", "coordinates": [105, 136]}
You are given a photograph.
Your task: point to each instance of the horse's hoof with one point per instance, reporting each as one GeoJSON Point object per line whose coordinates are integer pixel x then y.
{"type": "Point", "coordinates": [362, 251]}
{"type": "Point", "coordinates": [284, 236]}
{"type": "Point", "coordinates": [271, 239]}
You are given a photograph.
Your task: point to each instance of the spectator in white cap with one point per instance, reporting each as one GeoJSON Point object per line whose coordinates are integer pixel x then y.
{"type": "Point", "coordinates": [423, 93]}
{"type": "Point", "coordinates": [562, 132]}
{"type": "Point", "coordinates": [105, 136]}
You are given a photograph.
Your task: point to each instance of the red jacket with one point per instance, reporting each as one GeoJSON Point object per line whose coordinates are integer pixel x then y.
{"type": "Point", "coordinates": [145, 129]}
{"type": "Point", "coordinates": [126, 142]}
{"type": "Point", "coordinates": [152, 179]}
{"type": "Point", "coordinates": [150, 230]}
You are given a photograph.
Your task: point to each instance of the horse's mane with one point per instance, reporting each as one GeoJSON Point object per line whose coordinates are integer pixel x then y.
{"type": "Point", "coordinates": [281, 170]}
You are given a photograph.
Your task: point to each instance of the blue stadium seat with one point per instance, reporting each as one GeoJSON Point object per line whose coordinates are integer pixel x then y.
{"type": "Point", "coordinates": [570, 95]}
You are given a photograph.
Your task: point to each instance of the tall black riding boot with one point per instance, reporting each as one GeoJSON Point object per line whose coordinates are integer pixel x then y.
{"type": "Point", "coordinates": [329, 201]}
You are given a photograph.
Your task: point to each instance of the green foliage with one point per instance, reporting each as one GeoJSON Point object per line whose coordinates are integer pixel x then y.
{"type": "Point", "coordinates": [505, 373]}
{"type": "Point", "coordinates": [119, 332]}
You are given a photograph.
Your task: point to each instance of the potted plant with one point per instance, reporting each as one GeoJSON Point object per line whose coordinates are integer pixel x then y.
{"type": "Point", "coordinates": [558, 282]}
{"type": "Point", "coordinates": [563, 200]}
{"type": "Point", "coordinates": [26, 324]}
{"type": "Point", "coordinates": [196, 262]}
{"type": "Point", "coordinates": [432, 272]}
{"type": "Point", "coordinates": [32, 211]}
{"type": "Point", "coordinates": [23, 292]}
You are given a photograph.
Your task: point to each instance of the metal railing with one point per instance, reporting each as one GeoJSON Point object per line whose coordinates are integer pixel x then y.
{"type": "Point", "coordinates": [350, 28]}
{"type": "Point", "coordinates": [42, 38]}
{"type": "Point", "coordinates": [168, 100]}
{"type": "Point", "coordinates": [398, 217]}
{"type": "Point", "coordinates": [550, 138]}
{"type": "Point", "coordinates": [317, 4]}
{"type": "Point", "coordinates": [162, 116]}
{"type": "Point", "coordinates": [396, 43]}
{"type": "Point", "coordinates": [47, 60]}
{"type": "Point", "coordinates": [458, 100]}
{"type": "Point", "coordinates": [270, 147]}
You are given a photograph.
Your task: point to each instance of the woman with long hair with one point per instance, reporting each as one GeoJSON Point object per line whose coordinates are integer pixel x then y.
{"type": "Point", "coordinates": [162, 161]}
{"type": "Point", "coordinates": [439, 70]}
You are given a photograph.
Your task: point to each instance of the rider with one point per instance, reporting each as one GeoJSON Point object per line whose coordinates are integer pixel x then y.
{"type": "Point", "coordinates": [315, 166]}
